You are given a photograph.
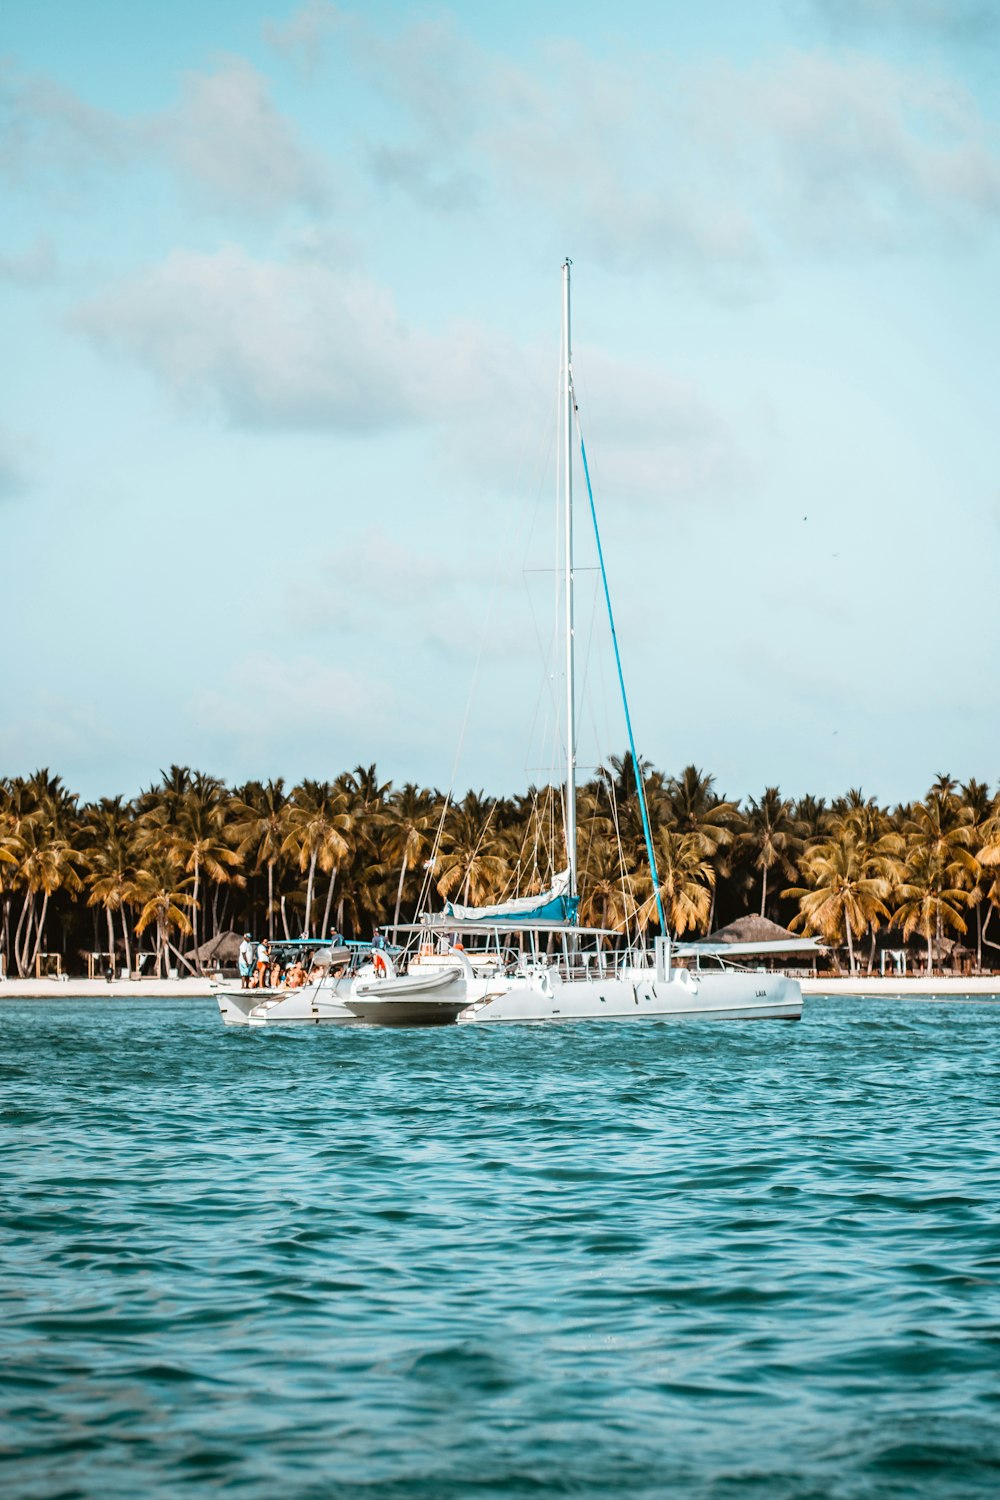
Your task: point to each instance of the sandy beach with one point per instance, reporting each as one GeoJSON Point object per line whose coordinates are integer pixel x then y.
{"type": "Point", "coordinates": [949, 987]}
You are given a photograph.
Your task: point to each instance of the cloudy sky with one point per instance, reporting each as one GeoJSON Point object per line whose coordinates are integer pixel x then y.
{"type": "Point", "coordinates": [280, 298]}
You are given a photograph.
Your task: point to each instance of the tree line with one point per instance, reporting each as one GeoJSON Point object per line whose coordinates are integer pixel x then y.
{"type": "Point", "coordinates": [190, 858]}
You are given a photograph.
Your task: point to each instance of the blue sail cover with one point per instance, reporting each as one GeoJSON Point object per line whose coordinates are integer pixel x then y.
{"type": "Point", "coordinates": [553, 905]}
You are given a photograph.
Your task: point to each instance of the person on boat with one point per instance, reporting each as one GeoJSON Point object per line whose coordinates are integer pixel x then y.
{"type": "Point", "coordinates": [263, 964]}
{"type": "Point", "coordinates": [378, 941]}
{"type": "Point", "coordinates": [296, 976]}
{"type": "Point", "coordinates": [246, 960]}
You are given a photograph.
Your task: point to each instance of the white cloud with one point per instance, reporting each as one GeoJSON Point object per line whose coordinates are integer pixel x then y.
{"type": "Point", "coordinates": [226, 136]}
{"type": "Point", "coordinates": [960, 20]}
{"type": "Point", "coordinates": [847, 152]}
{"type": "Point", "coordinates": [300, 344]}
{"type": "Point", "coordinates": [30, 267]}
{"type": "Point", "coordinates": [302, 38]}
{"type": "Point", "coordinates": [647, 160]}
{"type": "Point", "coordinates": [224, 139]}
{"type": "Point", "coordinates": [45, 128]}
{"type": "Point", "coordinates": [271, 344]}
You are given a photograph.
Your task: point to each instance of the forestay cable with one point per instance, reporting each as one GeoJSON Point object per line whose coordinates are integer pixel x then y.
{"type": "Point", "coordinates": [640, 785]}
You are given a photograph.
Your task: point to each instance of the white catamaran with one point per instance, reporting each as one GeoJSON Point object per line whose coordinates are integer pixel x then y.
{"type": "Point", "coordinates": [528, 959]}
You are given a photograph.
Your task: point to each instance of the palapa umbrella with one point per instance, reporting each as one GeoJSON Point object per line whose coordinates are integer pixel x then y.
{"type": "Point", "coordinates": [755, 929]}
{"type": "Point", "coordinates": [223, 949]}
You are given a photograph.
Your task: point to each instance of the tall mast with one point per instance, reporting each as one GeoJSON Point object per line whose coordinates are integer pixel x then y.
{"type": "Point", "coordinates": [567, 414]}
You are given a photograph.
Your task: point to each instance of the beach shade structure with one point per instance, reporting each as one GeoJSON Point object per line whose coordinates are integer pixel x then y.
{"type": "Point", "coordinates": [218, 951]}
{"type": "Point", "coordinates": [755, 929]}
{"type": "Point", "coordinates": [748, 936]}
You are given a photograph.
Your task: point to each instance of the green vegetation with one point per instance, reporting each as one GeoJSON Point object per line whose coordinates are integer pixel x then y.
{"type": "Point", "coordinates": [191, 857]}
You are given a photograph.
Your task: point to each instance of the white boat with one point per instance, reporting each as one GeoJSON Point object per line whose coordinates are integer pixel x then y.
{"type": "Point", "coordinates": [528, 959]}
{"type": "Point", "coordinates": [321, 999]}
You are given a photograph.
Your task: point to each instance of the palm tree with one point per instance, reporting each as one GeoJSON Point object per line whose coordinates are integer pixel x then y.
{"type": "Point", "coordinates": [110, 868]}
{"type": "Point", "coordinates": [606, 897]}
{"type": "Point", "coordinates": [259, 825]}
{"type": "Point", "coordinates": [846, 890]}
{"type": "Point", "coordinates": [814, 815]}
{"type": "Point", "coordinates": [982, 809]}
{"type": "Point", "coordinates": [774, 836]}
{"type": "Point", "coordinates": [188, 825]}
{"type": "Point", "coordinates": [939, 833]}
{"type": "Point", "coordinates": [48, 864]}
{"type": "Point", "coordinates": [317, 822]}
{"type": "Point", "coordinates": [619, 779]}
{"type": "Point", "coordinates": [686, 877]}
{"type": "Point", "coordinates": [410, 821]}
{"type": "Point", "coordinates": [928, 902]}
{"type": "Point", "coordinates": [471, 859]}
{"type": "Point", "coordinates": [163, 899]}
{"type": "Point", "coordinates": [11, 849]}
{"type": "Point", "coordinates": [41, 820]}
{"type": "Point", "coordinates": [691, 805]}
{"type": "Point", "coordinates": [532, 835]}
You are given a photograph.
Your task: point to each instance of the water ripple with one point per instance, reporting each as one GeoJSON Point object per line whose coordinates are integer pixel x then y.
{"type": "Point", "coordinates": [582, 1260]}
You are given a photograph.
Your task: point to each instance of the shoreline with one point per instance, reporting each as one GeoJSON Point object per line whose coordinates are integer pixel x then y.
{"type": "Point", "coordinates": [860, 987]}
{"type": "Point", "coordinates": [97, 989]}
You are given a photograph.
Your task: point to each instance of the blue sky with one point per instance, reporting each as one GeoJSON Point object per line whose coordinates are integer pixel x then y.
{"type": "Point", "coordinates": [280, 295]}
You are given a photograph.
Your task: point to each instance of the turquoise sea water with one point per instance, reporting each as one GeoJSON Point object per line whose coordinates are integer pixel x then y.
{"type": "Point", "coordinates": [597, 1259]}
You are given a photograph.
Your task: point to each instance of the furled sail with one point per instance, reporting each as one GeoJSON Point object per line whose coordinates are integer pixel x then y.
{"type": "Point", "coordinates": [553, 905]}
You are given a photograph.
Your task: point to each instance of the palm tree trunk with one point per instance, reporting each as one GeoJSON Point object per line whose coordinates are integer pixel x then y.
{"type": "Point", "coordinates": [763, 894]}
{"type": "Point", "coordinates": [399, 891]}
{"type": "Point", "coordinates": [194, 908]}
{"type": "Point", "coordinates": [39, 928]}
{"type": "Point", "coordinates": [27, 904]}
{"type": "Point", "coordinates": [871, 952]}
{"type": "Point", "coordinates": [979, 937]}
{"type": "Point", "coordinates": [111, 939]}
{"type": "Point", "coordinates": [128, 945]}
{"type": "Point", "coordinates": [270, 900]}
{"type": "Point", "coordinates": [180, 957]}
{"type": "Point", "coordinates": [850, 941]}
{"type": "Point", "coordinates": [26, 941]}
{"type": "Point", "coordinates": [329, 902]}
{"type": "Point", "coordinates": [284, 918]}
{"type": "Point", "coordinates": [309, 893]}
{"type": "Point", "coordinates": [930, 952]}
{"type": "Point", "coordinates": [340, 915]}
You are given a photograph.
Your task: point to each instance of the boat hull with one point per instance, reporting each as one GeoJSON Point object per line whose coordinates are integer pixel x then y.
{"type": "Point", "coordinates": [312, 1005]}
{"type": "Point", "coordinates": [710, 997]}
{"type": "Point", "coordinates": [686, 996]}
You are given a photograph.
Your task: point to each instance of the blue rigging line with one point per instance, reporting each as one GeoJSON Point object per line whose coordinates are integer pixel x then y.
{"type": "Point", "coordinates": [640, 786]}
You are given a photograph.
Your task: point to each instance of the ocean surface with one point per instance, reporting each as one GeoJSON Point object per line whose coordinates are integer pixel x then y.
{"type": "Point", "coordinates": [636, 1259]}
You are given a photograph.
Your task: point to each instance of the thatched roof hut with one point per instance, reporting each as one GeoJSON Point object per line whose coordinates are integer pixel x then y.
{"type": "Point", "coordinates": [218, 951]}
{"type": "Point", "coordinates": [756, 935]}
{"type": "Point", "coordinates": [753, 929]}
